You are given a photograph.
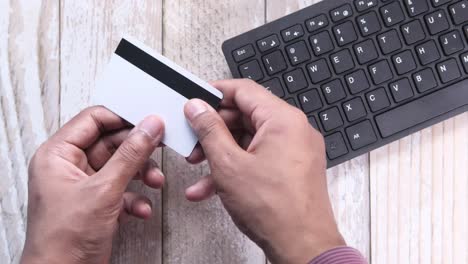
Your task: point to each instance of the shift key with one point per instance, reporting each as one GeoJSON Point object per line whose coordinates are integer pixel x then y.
{"type": "Point", "coordinates": [423, 109]}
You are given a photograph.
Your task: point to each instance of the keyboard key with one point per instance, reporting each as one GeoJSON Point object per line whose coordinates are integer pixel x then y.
{"type": "Point", "coordinates": [243, 53]}
{"type": "Point", "coordinates": [465, 29]}
{"type": "Point", "coordinates": [368, 24]}
{"type": "Point", "coordinates": [291, 102]}
{"type": "Point", "coordinates": [413, 32]}
{"type": "Point", "coordinates": [268, 43]}
{"type": "Point", "coordinates": [363, 5]}
{"type": "Point", "coordinates": [321, 43]}
{"type": "Point", "coordinates": [310, 101]}
{"type": "Point", "coordinates": [335, 146]}
{"type": "Point", "coordinates": [317, 23]}
{"type": "Point", "coordinates": [331, 119]}
{"type": "Point", "coordinates": [377, 100]}
{"type": "Point", "coordinates": [380, 72]}
{"type": "Point", "coordinates": [295, 80]}
{"type": "Point", "coordinates": [274, 62]}
{"type": "Point", "coordinates": [389, 42]}
{"type": "Point", "coordinates": [274, 86]}
{"type": "Point", "coordinates": [401, 90]}
{"type": "Point", "coordinates": [292, 33]}
{"type": "Point", "coordinates": [459, 12]}
{"type": "Point", "coordinates": [437, 22]}
{"type": "Point", "coordinates": [464, 58]}
{"type": "Point", "coordinates": [416, 7]}
{"type": "Point", "coordinates": [345, 33]}
{"type": "Point", "coordinates": [452, 43]}
{"type": "Point", "coordinates": [354, 109]}
{"type": "Point", "coordinates": [448, 70]}
{"type": "Point", "coordinates": [365, 51]}
{"type": "Point", "coordinates": [313, 122]}
{"type": "Point", "coordinates": [342, 61]}
{"type": "Point", "coordinates": [428, 52]}
{"type": "Point", "coordinates": [392, 14]}
{"type": "Point", "coordinates": [319, 71]}
{"type": "Point", "coordinates": [357, 81]}
{"type": "Point", "coordinates": [437, 3]}
{"type": "Point", "coordinates": [424, 80]}
{"type": "Point", "coordinates": [341, 13]}
{"type": "Point", "coordinates": [361, 135]}
{"type": "Point", "coordinates": [422, 109]}
{"type": "Point", "coordinates": [333, 91]}
{"type": "Point", "coordinates": [404, 62]}
{"type": "Point", "coordinates": [298, 53]}
{"type": "Point", "coordinates": [251, 70]}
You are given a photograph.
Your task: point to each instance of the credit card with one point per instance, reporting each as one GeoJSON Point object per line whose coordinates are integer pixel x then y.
{"type": "Point", "coordinates": [139, 82]}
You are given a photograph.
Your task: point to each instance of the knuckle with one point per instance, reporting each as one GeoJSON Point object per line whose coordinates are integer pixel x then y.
{"type": "Point", "coordinates": [206, 125]}
{"type": "Point", "coordinates": [133, 149]}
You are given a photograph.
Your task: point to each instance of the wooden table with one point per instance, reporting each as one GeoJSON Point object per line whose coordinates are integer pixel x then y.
{"type": "Point", "coordinates": [404, 203]}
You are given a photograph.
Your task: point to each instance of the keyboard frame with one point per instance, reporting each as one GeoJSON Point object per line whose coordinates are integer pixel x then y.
{"type": "Point", "coordinates": [324, 7]}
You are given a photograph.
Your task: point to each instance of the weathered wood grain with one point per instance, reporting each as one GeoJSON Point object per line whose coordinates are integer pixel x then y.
{"type": "Point", "coordinates": [419, 203]}
{"type": "Point", "coordinates": [90, 33]}
{"type": "Point", "coordinates": [193, 33]}
{"type": "Point", "coordinates": [29, 105]}
{"type": "Point", "coordinates": [348, 183]}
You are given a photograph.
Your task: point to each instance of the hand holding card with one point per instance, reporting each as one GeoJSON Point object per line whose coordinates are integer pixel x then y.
{"type": "Point", "coordinates": [139, 82]}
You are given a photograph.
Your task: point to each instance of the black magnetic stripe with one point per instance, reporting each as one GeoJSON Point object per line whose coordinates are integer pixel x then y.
{"type": "Point", "coordinates": [164, 73]}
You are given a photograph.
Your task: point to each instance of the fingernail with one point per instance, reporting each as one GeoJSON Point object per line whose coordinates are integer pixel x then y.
{"type": "Point", "coordinates": [151, 126]}
{"type": "Point", "coordinates": [147, 209]}
{"type": "Point", "coordinates": [195, 108]}
{"type": "Point", "coordinates": [159, 171]}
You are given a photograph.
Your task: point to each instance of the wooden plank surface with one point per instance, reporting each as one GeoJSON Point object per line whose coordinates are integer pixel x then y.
{"type": "Point", "coordinates": [90, 33]}
{"type": "Point", "coordinates": [29, 105]}
{"type": "Point", "coordinates": [407, 204]}
{"type": "Point", "coordinates": [348, 183]}
{"type": "Point", "coordinates": [193, 33]}
{"type": "Point", "coordinates": [419, 201]}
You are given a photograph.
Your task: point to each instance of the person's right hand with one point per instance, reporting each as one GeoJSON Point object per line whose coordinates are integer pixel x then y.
{"type": "Point", "coordinates": [268, 167]}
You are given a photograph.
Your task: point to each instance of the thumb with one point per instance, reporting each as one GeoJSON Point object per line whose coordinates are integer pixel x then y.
{"type": "Point", "coordinates": [212, 132]}
{"type": "Point", "coordinates": [133, 153]}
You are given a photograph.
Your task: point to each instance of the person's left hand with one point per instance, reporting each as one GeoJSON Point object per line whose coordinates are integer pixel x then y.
{"type": "Point", "coordinates": [77, 183]}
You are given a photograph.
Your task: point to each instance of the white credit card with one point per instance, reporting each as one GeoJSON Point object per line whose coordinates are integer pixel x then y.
{"type": "Point", "coordinates": [139, 82]}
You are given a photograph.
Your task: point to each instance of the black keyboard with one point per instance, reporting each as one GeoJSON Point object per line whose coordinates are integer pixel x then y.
{"type": "Point", "coordinates": [365, 72]}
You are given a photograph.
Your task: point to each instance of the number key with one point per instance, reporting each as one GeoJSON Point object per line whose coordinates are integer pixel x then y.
{"type": "Point", "coordinates": [274, 62]}
{"type": "Point", "coordinates": [368, 24]}
{"type": "Point", "coordinates": [392, 14]}
{"type": "Point", "coordinates": [416, 7]}
{"type": "Point", "coordinates": [321, 43]}
{"type": "Point", "coordinates": [459, 12]}
{"type": "Point", "coordinates": [298, 53]}
{"type": "Point", "coordinates": [345, 33]}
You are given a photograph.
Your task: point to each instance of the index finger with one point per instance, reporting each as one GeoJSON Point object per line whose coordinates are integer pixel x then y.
{"type": "Point", "coordinates": [250, 98]}
{"type": "Point", "coordinates": [86, 127]}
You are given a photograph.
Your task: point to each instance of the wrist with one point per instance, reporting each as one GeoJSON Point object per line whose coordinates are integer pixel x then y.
{"type": "Point", "coordinates": [302, 248]}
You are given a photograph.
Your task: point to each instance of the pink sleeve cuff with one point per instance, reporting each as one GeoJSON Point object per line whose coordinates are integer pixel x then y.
{"type": "Point", "coordinates": [340, 255]}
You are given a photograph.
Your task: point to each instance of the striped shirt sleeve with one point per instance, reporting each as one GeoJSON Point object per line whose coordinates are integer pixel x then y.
{"type": "Point", "coordinates": [340, 255]}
